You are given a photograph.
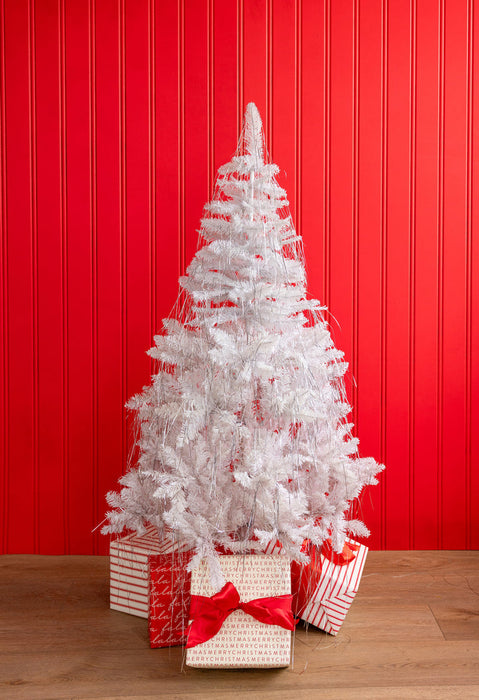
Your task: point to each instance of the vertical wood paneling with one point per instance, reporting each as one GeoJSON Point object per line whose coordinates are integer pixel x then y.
{"type": "Point", "coordinates": [384, 249]}
{"type": "Point", "coordinates": [355, 209]}
{"type": "Point", "coordinates": [255, 56]}
{"type": "Point", "coordinates": [283, 95]}
{"type": "Point", "coordinates": [109, 247]}
{"type": "Point", "coordinates": [397, 301]}
{"type": "Point", "coordinates": [196, 126]}
{"type": "Point", "coordinates": [440, 276]}
{"type": "Point", "coordinates": [115, 116]}
{"type": "Point", "coordinates": [239, 62]}
{"type": "Point", "coordinates": [298, 105]}
{"type": "Point", "coordinates": [412, 261]}
{"type": "Point", "coordinates": [79, 505]}
{"type": "Point", "coordinates": [473, 494]}
{"type": "Point", "coordinates": [169, 196]}
{"type": "Point", "coordinates": [21, 526]}
{"type": "Point", "coordinates": [225, 82]}
{"type": "Point", "coordinates": [455, 246]}
{"type": "Point", "coordinates": [4, 383]}
{"type": "Point", "coordinates": [468, 388]}
{"type": "Point", "coordinates": [312, 129]}
{"type": "Point", "coordinates": [341, 183]}
{"type": "Point", "coordinates": [181, 134]}
{"type": "Point", "coordinates": [123, 221]}
{"type": "Point", "coordinates": [327, 155]}
{"type": "Point", "coordinates": [32, 92]}
{"type": "Point", "coordinates": [64, 278]}
{"type": "Point", "coordinates": [49, 276]}
{"type": "Point", "coordinates": [136, 240]}
{"type": "Point", "coordinates": [270, 25]}
{"type": "Point", "coordinates": [93, 176]}
{"type": "Point", "coordinates": [368, 291]}
{"type": "Point", "coordinates": [210, 48]}
{"type": "Point", "coordinates": [426, 267]}
{"type": "Point", "coordinates": [152, 255]}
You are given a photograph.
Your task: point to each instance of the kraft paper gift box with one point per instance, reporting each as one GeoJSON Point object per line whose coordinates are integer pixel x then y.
{"type": "Point", "coordinates": [169, 599]}
{"type": "Point", "coordinates": [243, 641]}
{"type": "Point", "coordinates": [129, 588]}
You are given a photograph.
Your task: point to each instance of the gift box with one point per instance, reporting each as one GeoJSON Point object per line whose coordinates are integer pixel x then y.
{"type": "Point", "coordinates": [248, 623]}
{"type": "Point", "coordinates": [325, 588]}
{"type": "Point", "coordinates": [169, 599]}
{"type": "Point", "coordinates": [129, 588]}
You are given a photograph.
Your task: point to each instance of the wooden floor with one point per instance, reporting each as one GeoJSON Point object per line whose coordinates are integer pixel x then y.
{"type": "Point", "coordinates": [412, 632]}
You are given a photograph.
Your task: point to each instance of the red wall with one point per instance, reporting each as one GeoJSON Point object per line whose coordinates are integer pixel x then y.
{"type": "Point", "coordinates": [115, 115]}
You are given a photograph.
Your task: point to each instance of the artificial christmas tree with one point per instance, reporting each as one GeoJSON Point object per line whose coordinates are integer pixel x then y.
{"type": "Point", "coordinates": [244, 437]}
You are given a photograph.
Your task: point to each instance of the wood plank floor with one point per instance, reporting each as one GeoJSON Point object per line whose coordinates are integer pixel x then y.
{"type": "Point", "coordinates": [412, 632]}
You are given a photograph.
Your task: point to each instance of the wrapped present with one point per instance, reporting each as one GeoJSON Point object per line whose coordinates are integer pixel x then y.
{"type": "Point", "coordinates": [248, 623]}
{"type": "Point", "coordinates": [325, 588]}
{"type": "Point", "coordinates": [169, 599]}
{"type": "Point", "coordinates": [129, 589]}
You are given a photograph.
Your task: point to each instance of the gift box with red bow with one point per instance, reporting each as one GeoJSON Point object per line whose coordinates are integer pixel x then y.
{"type": "Point", "coordinates": [248, 623]}
{"type": "Point", "coordinates": [325, 588]}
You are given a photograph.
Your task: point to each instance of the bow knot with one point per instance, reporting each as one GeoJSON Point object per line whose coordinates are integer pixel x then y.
{"type": "Point", "coordinates": [208, 614]}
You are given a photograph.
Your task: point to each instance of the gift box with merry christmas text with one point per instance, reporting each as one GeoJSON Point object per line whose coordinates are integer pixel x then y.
{"type": "Point", "coordinates": [246, 624]}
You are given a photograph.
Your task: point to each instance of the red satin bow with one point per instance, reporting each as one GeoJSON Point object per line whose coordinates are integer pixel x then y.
{"type": "Point", "coordinates": [305, 578]}
{"type": "Point", "coordinates": [208, 614]}
{"type": "Point", "coordinates": [344, 557]}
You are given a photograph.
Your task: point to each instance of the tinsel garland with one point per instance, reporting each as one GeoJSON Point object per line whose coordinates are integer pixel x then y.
{"type": "Point", "coordinates": [243, 431]}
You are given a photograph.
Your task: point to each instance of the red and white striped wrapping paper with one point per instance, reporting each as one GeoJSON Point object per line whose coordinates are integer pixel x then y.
{"type": "Point", "coordinates": [129, 578]}
{"type": "Point", "coordinates": [335, 591]}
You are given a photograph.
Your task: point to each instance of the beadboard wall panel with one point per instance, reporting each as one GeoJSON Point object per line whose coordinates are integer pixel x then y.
{"type": "Point", "coordinates": [472, 294]}
{"type": "Point", "coordinates": [368, 302]}
{"type": "Point", "coordinates": [115, 116]}
{"type": "Point", "coordinates": [79, 388]}
{"type": "Point", "coordinates": [424, 420]}
{"type": "Point", "coordinates": [398, 249]}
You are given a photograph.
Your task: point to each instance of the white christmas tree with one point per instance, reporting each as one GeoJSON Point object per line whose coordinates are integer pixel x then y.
{"type": "Point", "coordinates": [243, 432]}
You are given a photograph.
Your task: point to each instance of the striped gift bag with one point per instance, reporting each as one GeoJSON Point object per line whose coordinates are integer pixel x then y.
{"type": "Point", "coordinates": [325, 588]}
{"type": "Point", "coordinates": [337, 587]}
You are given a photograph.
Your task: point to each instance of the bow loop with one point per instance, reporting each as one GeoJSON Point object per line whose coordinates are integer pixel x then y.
{"type": "Point", "coordinates": [348, 554]}
{"type": "Point", "coordinates": [271, 611]}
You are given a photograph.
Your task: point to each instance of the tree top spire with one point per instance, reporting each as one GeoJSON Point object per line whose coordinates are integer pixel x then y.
{"type": "Point", "coordinates": [253, 132]}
